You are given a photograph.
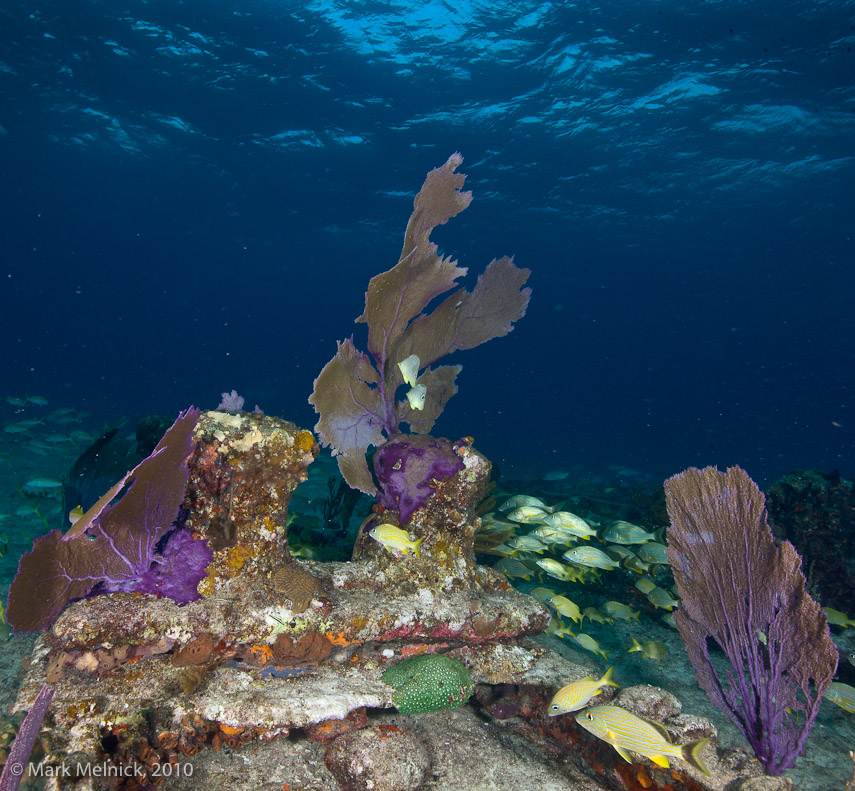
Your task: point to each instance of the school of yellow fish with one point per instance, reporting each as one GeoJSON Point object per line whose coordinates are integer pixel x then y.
{"type": "Point", "coordinates": [540, 534]}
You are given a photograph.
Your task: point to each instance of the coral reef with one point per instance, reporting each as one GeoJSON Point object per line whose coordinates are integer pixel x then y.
{"type": "Point", "coordinates": [242, 472]}
{"type": "Point", "coordinates": [260, 644]}
{"type": "Point", "coordinates": [381, 758]}
{"type": "Point", "coordinates": [221, 669]}
{"type": "Point", "coordinates": [431, 682]}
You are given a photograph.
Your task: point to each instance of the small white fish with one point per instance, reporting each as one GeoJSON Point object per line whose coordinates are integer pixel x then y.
{"type": "Point", "coordinates": [43, 483]}
{"type": "Point", "coordinates": [417, 396]}
{"type": "Point", "coordinates": [410, 369]}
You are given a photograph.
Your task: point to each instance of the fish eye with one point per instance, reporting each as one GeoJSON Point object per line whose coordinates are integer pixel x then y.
{"type": "Point", "coordinates": [555, 708]}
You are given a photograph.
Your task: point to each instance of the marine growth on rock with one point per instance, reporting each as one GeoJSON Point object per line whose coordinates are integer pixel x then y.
{"type": "Point", "coordinates": [430, 682]}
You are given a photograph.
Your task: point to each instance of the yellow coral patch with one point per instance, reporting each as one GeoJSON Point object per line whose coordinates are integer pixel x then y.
{"type": "Point", "coordinates": [304, 441]}
{"type": "Point", "coordinates": [236, 557]}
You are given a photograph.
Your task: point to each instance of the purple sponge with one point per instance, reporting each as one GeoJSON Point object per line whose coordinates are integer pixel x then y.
{"type": "Point", "coordinates": [405, 465]}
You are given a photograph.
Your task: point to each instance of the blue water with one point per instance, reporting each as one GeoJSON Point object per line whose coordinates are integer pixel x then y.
{"type": "Point", "coordinates": [195, 195]}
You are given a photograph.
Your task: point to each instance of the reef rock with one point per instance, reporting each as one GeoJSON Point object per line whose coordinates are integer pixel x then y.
{"type": "Point", "coordinates": [381, 758]}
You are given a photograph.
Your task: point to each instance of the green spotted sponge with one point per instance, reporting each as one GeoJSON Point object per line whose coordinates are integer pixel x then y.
{"type": "Point", "coordinates": [430, 682]}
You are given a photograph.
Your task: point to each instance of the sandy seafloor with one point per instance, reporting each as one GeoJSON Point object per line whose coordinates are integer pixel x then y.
{"type": "Point", "coordinates": [826, 765]}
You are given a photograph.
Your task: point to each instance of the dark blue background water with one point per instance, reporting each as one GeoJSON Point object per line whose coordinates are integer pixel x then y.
{"type": "Point", "coordinates": [195, 195]}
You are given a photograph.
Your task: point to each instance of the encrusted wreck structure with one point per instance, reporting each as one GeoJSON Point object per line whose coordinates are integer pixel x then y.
{"type": "Point", "coordinates": [276, 645]}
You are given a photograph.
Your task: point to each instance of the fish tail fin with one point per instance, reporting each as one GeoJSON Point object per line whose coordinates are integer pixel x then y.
{"type": "Point", "coordinates": [692, 754]}
{"type": "Point", "coordinates": [416, 547]}
{"type": "Point", "coordinates": [636, 646]}
{"type": "Point", "coordinates": [607, 680]}
{"type": "Point", "coordinates": [635, 615]}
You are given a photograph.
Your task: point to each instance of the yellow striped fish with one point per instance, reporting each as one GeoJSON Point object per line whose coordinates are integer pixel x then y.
{"type": "Point", "coordinates": [660, 598]}
{"type": "Point", "coordinates": [511, 567]}
{"type": "Point", "coordinates": [527, 514]}
{"type": "Point", "coordinates": [542, 594]}
{"type": "Point", "coordinates": [627, 733]}
{"type": "Point", "coordinates": [620, 611]}
{"type": "Point", "coordinates": [841, 694]}
{"type": "Point", "coordinates": [590, 644]}
{"type": "Point", "coordinates": [393, 538]}
{"type": "Point", "coordinates": [576, 696]}
{"type": "Point", "coordinates": [590, 556]}
{"type": "Point", "coordinates": [621, 532]}
{"type": "Point", "coordinates": [651, 649]}
{"type": "Point", "coordinates": [520, 500]}
{"type": "Point", "coordinates": [527, 544]}
{"type": "Point", "coordinates": [554, 569]}
{"type": "Point", "coordinates": [559, 629]}
{"type": "Point", "coordinates": [570, 523]}
{"type": "Point", "coordinates": [653, 552]}
{"type": "Point", "coordinates": [565, 607]}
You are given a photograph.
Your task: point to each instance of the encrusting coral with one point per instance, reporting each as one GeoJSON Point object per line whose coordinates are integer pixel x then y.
{"type": "Point", "coordinates": [431, 682]}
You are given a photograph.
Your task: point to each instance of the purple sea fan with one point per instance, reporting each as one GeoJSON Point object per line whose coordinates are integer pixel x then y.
{"type": "Point", "coordinates": [355, 393]}
{"type": "Point", "coordinates": [129, 545]}
{"type": "Point", "coordinates": [231, 402]}
{"type": "Point", "coordinates": [747, 594]}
